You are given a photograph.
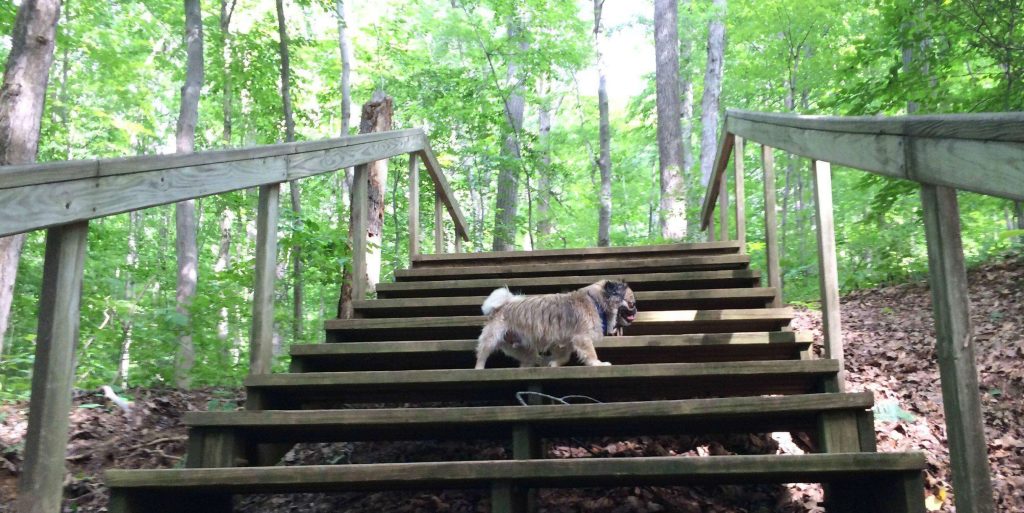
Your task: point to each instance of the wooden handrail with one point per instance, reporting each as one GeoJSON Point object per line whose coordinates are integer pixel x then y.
{"type": "Point", "coordinates": [38, 196]}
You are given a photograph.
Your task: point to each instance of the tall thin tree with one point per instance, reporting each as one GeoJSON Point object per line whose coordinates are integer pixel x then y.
{"type": "Point", "coordinates": [712, 89]}
{"type": "Point", "coordinates": [21, 111]}
{"type": "Point", "coordinates": [227, 10]}
{"type": "Point", "coordinates": [670, 147]}
{"type": "Point", "coordinates": [185, 211]}
{"type": "Point", "coordinates": [604, 160]}
{"type": "Point", "coordinates": [293, 186]}
{"type": "Point", "coordinates": [345, 49]}
{"type": "Point", "coordinates": [506, 203]}
{"type": "Point", "coordinates": [686, 91]}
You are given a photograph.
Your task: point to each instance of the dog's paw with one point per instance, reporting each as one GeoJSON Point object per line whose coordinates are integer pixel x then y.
{"type": "Point", "coordinates": [598, 363]}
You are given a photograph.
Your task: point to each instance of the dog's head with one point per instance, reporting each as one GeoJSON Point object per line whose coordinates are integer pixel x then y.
{"type": "Point", "coordinates": [621, 300]}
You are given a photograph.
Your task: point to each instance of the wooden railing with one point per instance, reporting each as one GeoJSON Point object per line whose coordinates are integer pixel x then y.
{"type": "Point", "coordinates": [982, 153]}
{"type": "Point", "coordinates": [64, 196]}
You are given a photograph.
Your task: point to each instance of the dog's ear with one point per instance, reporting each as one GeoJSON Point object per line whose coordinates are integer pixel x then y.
{"type": "Point", "coordinates": [614, 288]}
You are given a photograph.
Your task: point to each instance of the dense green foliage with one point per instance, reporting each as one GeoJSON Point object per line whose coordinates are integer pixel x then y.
{"type": "Point", "coordinates": [119, 66]}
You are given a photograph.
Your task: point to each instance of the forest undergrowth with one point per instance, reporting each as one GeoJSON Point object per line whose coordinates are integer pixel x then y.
{"type": "Point", "coordinates": [889, 343]}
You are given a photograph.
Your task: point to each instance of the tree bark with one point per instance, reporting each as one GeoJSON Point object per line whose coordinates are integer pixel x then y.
{"type": "Point", "coordinates": [604, 161]}
{"type": "Point", "coordinates": [507, 200]}
{"type": "Point", "coordinates": [345, 49]}
{"type": "Point", "coordinates": [185, 212]}
{"type": "Point", "coordinates": [227, 9]}
{"type": "Point", "coordinates": [544, 175]}
{"type": "Point", "coordinates": [686, 97]}
{"type": "Point", "coordinates": [21, 111]}
{"type": "Point", "coordinates": [670, 154]}
{"type": "Point", "coordinates": [712, 90]}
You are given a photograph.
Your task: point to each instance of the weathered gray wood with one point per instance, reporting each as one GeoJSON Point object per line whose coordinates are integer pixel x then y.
{"type": "Point", "coordinates": [976, 154]}
{"type": "Point", "coordinates": [838, 432]}
{"type": "Point", "coordinates": [573, 254]}
{"type": "Point", "coordinates": [458, 244]}
{"type": "Point", "coordinates": [507, 497]}
{"type": "Point", "coordinates": [547, 284]}
{"type": "Point", "coordinates": [49, 204]}
{"type": "Point", "coordinates": [261, 343]}
{"type": "Point", "coordinates": [721, 162]}
{"type": "Point", "coordinates": [53, 372]}
{"type": "Point", "coordinates": [578, 267]}
{"type": "Point", "coordinates": [547, 473]}
{"type": "Point", "coordinates": [740, 190]}
{"type": "Point", "coordinates": [414, 207]}
{"type": "Point", "coordinates": [441, 184]}
{"type": "Point", "coordinates": [723, 208]}
{"type": "Point", "coordinates": [214, 447]}
{"type": "Point", "coordinates": [954, 335]}
{"type": "Point", "coordinates": [771, 225]}
{"type": "Point", "coordinates": [439, 246]}
{"type": "Point", "coordinates": [866, 428]}
{"type": "Point", "coordinates": [359, 225]}
{"type": "Point", "coordinates": [828, 270]}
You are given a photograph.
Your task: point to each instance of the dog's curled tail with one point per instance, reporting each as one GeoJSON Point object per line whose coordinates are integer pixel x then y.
{"type": "Point", "coordinates": [497, 299]}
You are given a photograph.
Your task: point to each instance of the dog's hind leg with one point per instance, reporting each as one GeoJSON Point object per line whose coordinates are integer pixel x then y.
{"type": "Point", "coordinates": [487, 343]}
{"type": "Point", "coordinates": [584, 348]}
{"type": "Point", "coordinates": [560, 355]}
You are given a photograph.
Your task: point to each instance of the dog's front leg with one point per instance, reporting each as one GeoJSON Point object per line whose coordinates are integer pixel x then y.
{"type": "Point", "coordinates": [584, 347]}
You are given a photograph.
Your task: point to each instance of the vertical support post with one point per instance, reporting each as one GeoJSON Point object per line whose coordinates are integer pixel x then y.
{"type": "Point", "coordinates": [711, 229]}
{"type": "Point", "coordinates": [438, 224]}
{"type": "Point", "coordinates": [53, 372]}
{"type": "Point", "coordinates": [723, 208]}
{"type": "Point", "coordinates": [414, 207]}
{"type": "Point", "coordinates": [360, 183]}
{"type": "Point", "coordinates": [954, 336]}
{"type": "Point", "coordinates": [828, 270]}
{"type": "Point", "coordinates": [261, 343]}
{"type": "Point", "coordinates": [458, 241]}
{"type": "Point", "coordinates": [771, 225]}
{"type": "Point", "coordinates": [741, 213]}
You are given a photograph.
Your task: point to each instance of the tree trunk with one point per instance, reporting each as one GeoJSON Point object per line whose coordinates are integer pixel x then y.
{"type": "Point", "coordinates": [185, 212]}
{"type": "Point", "coordinates": [670, 154]}
{"type": "Point", "coordinates": [604, 161]}
{"type": "Point", "coordinates": [346, 75]}
{"type": "Point", "coordinates": [375, 117]}
{"type": "Point", "coordinates": [1018, 208]}
{"type": "Point", "coordinates": [507, 200]}
{"type": "Point", "coordinates": [293, 187]}
{"type": "Point", "coordinates": [544, 178]}
{"type": "Point", "coordinates": [227, 9]}
{"type": "Point", "coordinates": [21, 111]}
{"type": "Point", "coordinates": [223, 264]}
{"type": "Point", "coordinates": [686, 98]}
{"type": "Point", "coordinates": [131, 267]}
{"type": "Point", "coordinates": [712, 90]}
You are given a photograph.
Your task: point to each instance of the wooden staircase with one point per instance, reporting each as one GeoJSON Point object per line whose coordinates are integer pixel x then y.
{"type": "Point", "coordinates": [706, 355]}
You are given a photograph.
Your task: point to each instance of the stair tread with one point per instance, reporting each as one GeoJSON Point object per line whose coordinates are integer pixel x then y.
{"type": "Point", "coordinates": [446, 418]}
{"type": "Point", "coordinates": [646, 300]}
{"type": "Point", "coordinates": [456, 258]}
{"type": "Point", "coordinates": [580, 266]}
{"type": "Point", "coordinates": [637, 281]}
{"type": "Point", "coordinates": [544, 473]}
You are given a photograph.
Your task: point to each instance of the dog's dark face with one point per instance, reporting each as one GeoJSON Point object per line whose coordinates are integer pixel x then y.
{"type": "Point", "coordinates": [621, 297]}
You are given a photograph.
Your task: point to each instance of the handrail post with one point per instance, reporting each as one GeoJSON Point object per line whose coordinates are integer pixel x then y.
{"type": "Point", "coordinates": [261, 343]}
{"type": "Point", "coordinates": [771, 234]}
{"type": "Point", "coordinates": [53, 371]}
{"type": "Point", "coordinates": [359, 214]}
{"type": "Point", "coordinates": [438, 224]}
{"type": "Point", "coordinates": [965, 427]}
{"type": "Point", "coordinates": [828, 271]}
{"type": "Point", "coordinates": [711, 229]}
{"type": "Point", "coordinates": [741, 220]}
{"type": "Point", "coordinates": [414, 207]}
{"type": "Point", "coordinates": [458, 242]}
{"type": "Point", "coordinates": [723, 209]}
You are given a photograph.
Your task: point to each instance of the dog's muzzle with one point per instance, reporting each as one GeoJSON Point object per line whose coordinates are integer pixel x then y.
{"type": "Point", "coordinates": [626, 315]}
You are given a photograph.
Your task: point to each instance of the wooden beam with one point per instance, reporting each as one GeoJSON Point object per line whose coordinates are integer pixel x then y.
{"type": "Point", "coordinates": [711, 195]}
{"type": "Point", "coordinates": [461, 228]}
{"type": "Point", "coordinates": [965, 428]}
{"type": "Point", "coordinates": [741, 213]}
{"type": "Point", "coordinates": [53, 372]}
{"type": "Point", "coordinates": [828, 273]}
{"type": "Point", "coordinates": [48, 204]}
{"type": "Point", "coordinates": [439, 246]}
{"type": "Point", "coordinates": [771, 225]}
{"type": "Point", "coordinates": [414, 207]}
{"type": "Point", "coordinates": [359, 225]}
{"type": "Point", "coordinates": [979, 153]}
{"type": "Point", "coordinates": [261, 341]}
{"type": "Point", "coordinates": [723, 208]}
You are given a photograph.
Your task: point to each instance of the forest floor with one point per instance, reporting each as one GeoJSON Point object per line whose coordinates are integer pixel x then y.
{"type": "Point", "coordinates": [889, 351]}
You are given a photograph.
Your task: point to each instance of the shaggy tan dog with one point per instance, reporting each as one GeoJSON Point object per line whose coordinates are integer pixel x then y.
{"type": "Point", "coordinates": [529, 327]}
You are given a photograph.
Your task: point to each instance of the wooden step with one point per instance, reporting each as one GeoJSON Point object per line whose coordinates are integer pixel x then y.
{"type": "Point", "coordinates": [693, 416]}
{"type": "Point", "coordinates": [601, 267]}
{"type": "Point", "coordinates": [570, 255]}
{"type": "Point", "coordinates": [606, 384]}
{"type": "Point", "coordinates": [672, 322]}
{"type": "Point", "coordinates": [707, 299]}
{"type": "Point", "coordinates": [637, 281]}
{"type": "Point", "coordinates": [887, 482]}
{"type": "Point", "coordinates": [459, 354]}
